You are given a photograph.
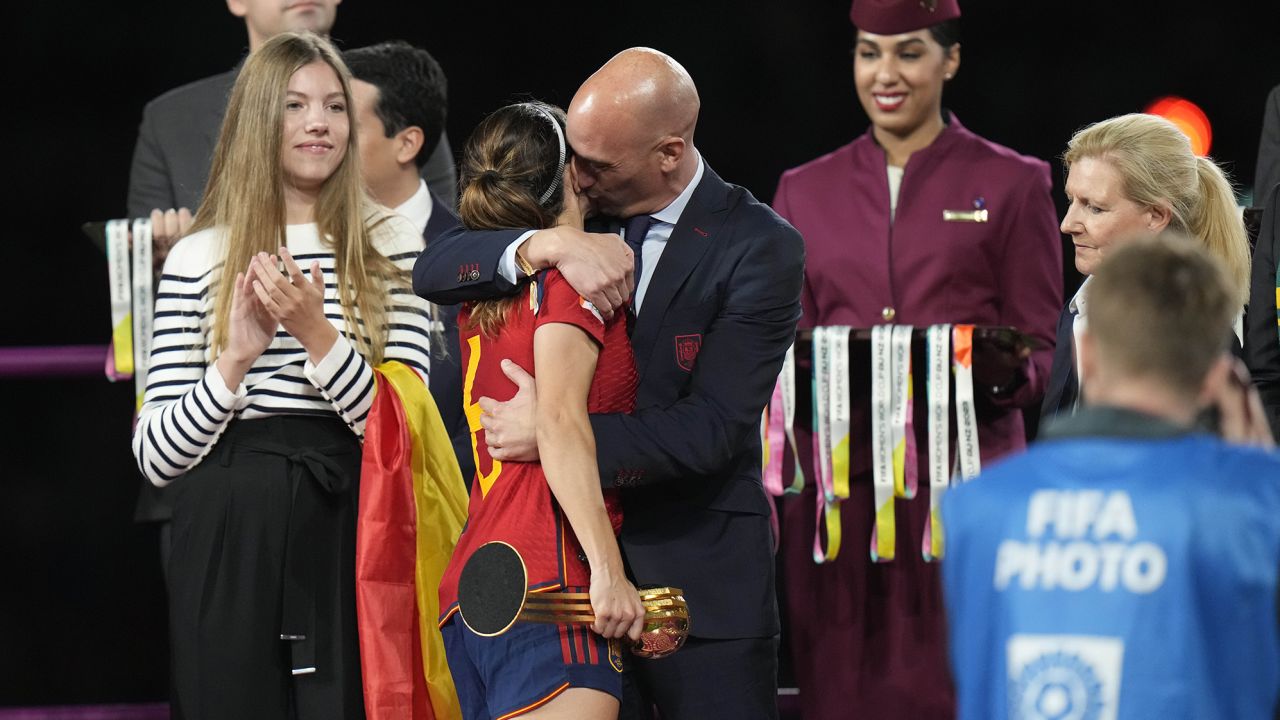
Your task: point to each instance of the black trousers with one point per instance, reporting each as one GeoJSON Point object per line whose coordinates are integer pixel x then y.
{"type": "Point", "coordinates": [261, 575]}
{"type": "Point", "coordinates": [706, 680]}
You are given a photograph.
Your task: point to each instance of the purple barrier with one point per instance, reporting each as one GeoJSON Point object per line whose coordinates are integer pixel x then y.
{"type": "Point", "coordinates": [788, 709]}
{"type": "Point", "coordinates": [53, 361]}
{"type": "Point", "coordinates": [148, 711]}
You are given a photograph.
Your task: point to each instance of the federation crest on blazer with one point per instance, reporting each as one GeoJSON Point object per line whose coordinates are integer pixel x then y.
{"type": "Point", "coordinates": [687, 347]}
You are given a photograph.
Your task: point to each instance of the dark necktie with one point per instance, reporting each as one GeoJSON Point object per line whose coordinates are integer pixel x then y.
{"type": "Point", "coordinates": [636, 228]}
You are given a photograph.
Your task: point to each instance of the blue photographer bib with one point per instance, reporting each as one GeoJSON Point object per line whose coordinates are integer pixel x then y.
{"type": "Point", "coordinates": [1105, 578]}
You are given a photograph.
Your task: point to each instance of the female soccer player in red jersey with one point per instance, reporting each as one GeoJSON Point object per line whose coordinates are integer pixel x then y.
{"type": "Point", "coordinates": [515, 174]}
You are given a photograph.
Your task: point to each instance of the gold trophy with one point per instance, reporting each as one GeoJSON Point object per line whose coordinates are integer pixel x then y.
{"type": "Point", "coordinates": [493, 596]}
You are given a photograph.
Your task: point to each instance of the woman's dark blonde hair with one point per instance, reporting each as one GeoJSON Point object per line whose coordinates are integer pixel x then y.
{"type": "Point", "coordinates": [245, 195]}
{"type": "Point", "coordinates": [509, 162]}
{"type": "Point", "coordinates": [1157, 167]}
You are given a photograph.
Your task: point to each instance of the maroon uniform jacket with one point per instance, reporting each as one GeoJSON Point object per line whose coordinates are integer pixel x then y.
{"type": "Point", "coordinates": [867, 637]}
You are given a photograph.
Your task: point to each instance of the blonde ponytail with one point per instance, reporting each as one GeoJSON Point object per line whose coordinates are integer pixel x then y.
{"type": "Point", "coordinates": [1218, 224]}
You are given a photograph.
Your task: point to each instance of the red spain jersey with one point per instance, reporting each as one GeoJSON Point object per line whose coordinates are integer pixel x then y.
{"type": "Point", "coordinates": [511, 501]}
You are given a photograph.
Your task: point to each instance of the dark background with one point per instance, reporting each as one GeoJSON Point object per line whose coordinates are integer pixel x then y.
{"type": "Point", "coordinates": [81, 599]}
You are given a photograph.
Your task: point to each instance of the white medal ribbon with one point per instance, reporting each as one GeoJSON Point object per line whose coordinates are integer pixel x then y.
{"type": "Point", "coordinates": [788, 381]}
{"type": "Point", "coordinates": [118, 260]}
{"type": "Point", "coordinates": [838, 407]}
{"type": "Point", "coordinates": [966, 411]}
{"type": "Point", "coordinates": [777, 430]}
{"type": "Point", "coordinates": [822, 411]}
{"type": "Point", "coordinates": [826, 341]}
{"type": "Point", "coordinates": [938, 353]}
{"type": "Point", "coordinates": [143, 305]}
{"type": "Point", "coordinates": [904, 482]}
{"type": "Point", "coordinates": [882, 537]}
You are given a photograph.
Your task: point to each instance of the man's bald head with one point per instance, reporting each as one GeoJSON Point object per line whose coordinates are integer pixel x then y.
{"type": "Point", "coordinates": [632, 125]}
{"type": "Point", "coordinates": [646, 87]}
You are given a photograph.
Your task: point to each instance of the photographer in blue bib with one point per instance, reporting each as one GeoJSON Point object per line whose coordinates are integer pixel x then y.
{"type": "Point", "coordinates": [1126, 566]}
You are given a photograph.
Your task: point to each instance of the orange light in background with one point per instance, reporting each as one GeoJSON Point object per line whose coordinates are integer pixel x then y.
{"type": "Point", "coordinates": [1189, 118]}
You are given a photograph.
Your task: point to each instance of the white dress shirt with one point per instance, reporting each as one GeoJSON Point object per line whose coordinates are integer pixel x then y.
{"type": "Point", "coordinates": [418, 207]}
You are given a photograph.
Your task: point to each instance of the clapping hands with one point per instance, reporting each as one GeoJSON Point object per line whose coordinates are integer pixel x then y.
{"type": "Point", "coordinates": [295, 300]}
{"type": "Point", "coordinates": [251, 328]}
{"type": "Point", "coordinates": [264, 299]}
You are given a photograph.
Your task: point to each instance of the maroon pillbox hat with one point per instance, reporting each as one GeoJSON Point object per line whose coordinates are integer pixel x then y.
{"type": "Point", "coordinates": [891, 17]}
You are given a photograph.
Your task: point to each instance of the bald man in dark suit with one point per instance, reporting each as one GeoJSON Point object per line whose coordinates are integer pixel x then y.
{"type": "Point", "coordinates": [716, 301]}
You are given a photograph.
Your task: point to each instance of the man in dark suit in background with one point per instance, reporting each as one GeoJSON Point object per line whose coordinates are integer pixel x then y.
{"type": "Point", "coordinates": [180, 128]}
{"type": "Point", "coordinates": [1261, 339]}
{"type": "Point", "coordinates": [1268, 172]}
{"type": "Point", "coordinates": [716, 302]}
{"type": "Point", "coordinates": [400, 98]}
{"type": "Point", "coordinates": [171, 160]}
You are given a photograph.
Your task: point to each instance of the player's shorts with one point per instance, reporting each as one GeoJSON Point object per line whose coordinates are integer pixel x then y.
{"type": "Point", "coordinates": [528, 666]}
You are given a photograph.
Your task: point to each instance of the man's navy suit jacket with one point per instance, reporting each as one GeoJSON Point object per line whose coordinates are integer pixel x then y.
{"type": "Point", "coordinates": [718, 316]}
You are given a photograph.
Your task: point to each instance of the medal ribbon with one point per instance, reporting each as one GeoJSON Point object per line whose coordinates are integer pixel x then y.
{"type": "Point", "coordinates": [771, 441]}
{"type": "Point", "coordinates": [822, 416]}
{"type": "Point", "coordinates": [826, 506]}
{"type": "Point", "coordinates": [939, 398]}
{"type": "Point", "coordinates": [118, 259]}
{"type": "Point", "coordinates": [882, 466]}
{"type": "Point", "coordinates": [838, 406]}
{"type": "Point", "coordinates": [966, 412]}
{"type": "Point", "coordinates": [788, 382]}
{"type": "Point", "coordinates": [143, 305]}
{"type": "Point", "coordinates": [905, 471]}
{"type": "Point", "coordinates": [778, 430]}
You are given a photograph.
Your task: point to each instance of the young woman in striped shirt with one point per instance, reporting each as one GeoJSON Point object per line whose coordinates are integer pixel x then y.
{"type": "Point", "coordinates": [269, 319]}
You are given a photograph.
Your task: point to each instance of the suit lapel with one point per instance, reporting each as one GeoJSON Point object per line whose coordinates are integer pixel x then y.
{"type": "Point", "coordinates": [691, 238]}
{"type": "Point", "coordinates": [1062, 386]}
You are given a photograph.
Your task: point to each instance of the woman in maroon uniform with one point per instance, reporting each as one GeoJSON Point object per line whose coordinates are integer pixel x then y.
{"type": "Point", "coordinates": [515, 174]}
{"type": "Point", "coordinates": [918, 221]}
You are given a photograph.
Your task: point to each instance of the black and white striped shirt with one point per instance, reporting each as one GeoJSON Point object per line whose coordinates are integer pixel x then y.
{"type": "Point", "coordinates": [187, 404]}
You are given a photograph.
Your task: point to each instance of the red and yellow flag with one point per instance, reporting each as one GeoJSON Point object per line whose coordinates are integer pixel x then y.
{"type": "Point", "coordinates": [413, 504]}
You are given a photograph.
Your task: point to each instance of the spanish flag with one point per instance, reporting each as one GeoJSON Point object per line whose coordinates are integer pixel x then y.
{"type": "Point", "coordinates": [413, 504]}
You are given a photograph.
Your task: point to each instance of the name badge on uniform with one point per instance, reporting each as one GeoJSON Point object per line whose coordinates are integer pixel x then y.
{"type": "Point", "coordinates": [978, 214]}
